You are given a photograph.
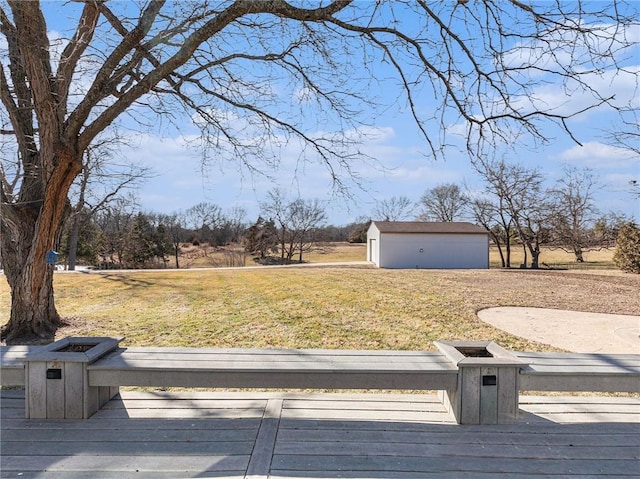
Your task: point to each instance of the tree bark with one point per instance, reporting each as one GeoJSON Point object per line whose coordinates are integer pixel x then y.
{"type": "Point", "coordinates": [29, 231]}
{"type": "Point", "coordinates": [499, 246]}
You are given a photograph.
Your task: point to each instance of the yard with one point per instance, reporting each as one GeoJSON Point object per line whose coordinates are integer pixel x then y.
{"type": "Point", "coordinates": [329, 307]}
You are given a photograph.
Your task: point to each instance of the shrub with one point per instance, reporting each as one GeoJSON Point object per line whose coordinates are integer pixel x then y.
{"type": "Point", "coordinates": [627, 255]}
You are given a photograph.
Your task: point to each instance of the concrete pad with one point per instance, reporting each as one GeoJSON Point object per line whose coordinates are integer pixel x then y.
{"type": "Point", "coordinates": [571, 330]}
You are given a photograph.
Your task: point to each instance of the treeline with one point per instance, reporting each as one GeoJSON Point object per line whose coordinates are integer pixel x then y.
{"type": "Point", "coordinates": [121, 236]}
{"type": "Point", "coordinates": [515, 205]}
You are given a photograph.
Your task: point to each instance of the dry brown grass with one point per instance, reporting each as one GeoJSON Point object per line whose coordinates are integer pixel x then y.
{"type": "Point", "coordinates": [331, 307]}
{"type": "Point", "coordinates": [558, 258]}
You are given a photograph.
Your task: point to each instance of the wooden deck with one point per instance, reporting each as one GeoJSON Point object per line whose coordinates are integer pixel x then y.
{"type": "Point", "coordinates": [296, 435]}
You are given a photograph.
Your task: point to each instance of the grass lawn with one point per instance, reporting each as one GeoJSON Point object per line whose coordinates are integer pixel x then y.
{"type": "Point", "coordinates": [329, 307]}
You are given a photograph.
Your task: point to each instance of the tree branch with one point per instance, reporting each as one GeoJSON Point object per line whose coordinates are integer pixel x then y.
{"type": "Point", "coordinates": [72, 54]}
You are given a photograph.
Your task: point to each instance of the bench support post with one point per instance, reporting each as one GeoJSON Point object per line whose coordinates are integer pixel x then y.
{"type": "Point", "coordinates": [488, 388]}
{"type": "Point", "coordinates": [56, 381]}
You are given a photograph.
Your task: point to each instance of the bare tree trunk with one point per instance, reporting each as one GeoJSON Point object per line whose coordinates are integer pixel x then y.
{"type": "Point", "coordinates": [534, 259]}
{"type": "Point", "coordinates": [28, 233]}
{"type": "Point", "coordinates": [176, 251]}
{"type": "Point", "coordinates": [73, 243]}
{"type": "Point", "coordinates": [502, 260]}
{"type": "Point", "coordinates": [34, 318]}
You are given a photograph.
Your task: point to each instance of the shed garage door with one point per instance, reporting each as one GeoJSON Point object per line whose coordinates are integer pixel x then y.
{"type": "Point", "coordinates": [434, 251]}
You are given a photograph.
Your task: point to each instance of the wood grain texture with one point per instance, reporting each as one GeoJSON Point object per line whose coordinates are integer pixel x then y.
{"type": "Point", "coordinates": [295, 435]}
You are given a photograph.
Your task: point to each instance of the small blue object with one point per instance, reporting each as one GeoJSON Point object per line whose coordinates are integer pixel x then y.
{"type": "Point", "coordinates": [52, 257]}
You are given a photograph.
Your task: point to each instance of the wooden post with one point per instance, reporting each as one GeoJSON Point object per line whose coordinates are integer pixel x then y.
{"type": "Point", "coordinates": [487, 390]}
{"type": "Point", "coordinates": [56, 381]}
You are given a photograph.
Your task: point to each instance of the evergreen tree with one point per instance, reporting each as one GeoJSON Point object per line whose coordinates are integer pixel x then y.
{"type": "Point", "coordinates": [627, 255]}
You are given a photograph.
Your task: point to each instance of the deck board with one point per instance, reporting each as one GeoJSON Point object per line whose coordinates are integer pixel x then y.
{"type": "Point", "coordinates": [311, 435]}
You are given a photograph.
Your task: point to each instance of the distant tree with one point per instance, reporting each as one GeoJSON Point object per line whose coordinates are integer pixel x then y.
{"type": "Point", "coordinates": [140, 247]}
{"type": "Point", "coordinates": [88, 241]}
{"type": "Point", "coordinates": [627, 254]}
{"type": "Point", "coordinates": [522, 202]}
{"type": "Point", "coordinates": [102, 180]}
{"type": "Point", "coordinates": [306, 216]}
{"type": "Point", "coordinates": [261, 238]}
{"type": "Point", "coordinates": [533, 225]}
{"type": "Point", "coordinates": [606, 229]}
{"type": "Point", "coordinates": [235, 222]}
{"type": "Point", "coordinates": [161, 237]}
{"type": "Point", "coordinates": [497, 222]}
{"type": "Point", "coordinates": [295, 221]}
{"type": "Point", "coordinates": [114, 222]}
{"type": "Point", "coordinates": [442, 203]}
{"type": "Point", "coordinates": [205, 218]}
{"type": "Point", "coordinates": [396, 208]}
{"type": "Point", "coordinates": [175, 231]}
{"type": "Point", "coordinates": [574, 211]}
{"type": "Point", "coordinates": [358, 230]}
{"type": "Point", "coordinates": [276, 209]}
{"type": "Point", "coordinates": [332, 233]}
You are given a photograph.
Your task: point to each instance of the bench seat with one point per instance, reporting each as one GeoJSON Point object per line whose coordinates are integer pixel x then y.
{"type": "Point", "coordinates": [573, 372]}
{"type": "Point", "coordinates": [329, 369]}
{"type": "Point", "coordinates": [12, 364]}
{"type": "Point", "coordinates": [273, 368]}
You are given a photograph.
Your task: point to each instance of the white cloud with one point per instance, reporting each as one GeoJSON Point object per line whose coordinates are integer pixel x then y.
{"type": "Point", "coordinates": [599, 155]}
{"type": "Point", "coordinates": [605, 43]}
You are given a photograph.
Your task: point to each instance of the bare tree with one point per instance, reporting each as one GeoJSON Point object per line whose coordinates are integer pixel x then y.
{"type": "Point", "coordinates": [231, 65]}
{"type": "Point", "coordinates": [102, 179]}
{"type": "Point", "coordinates": [204, 218]}
{"type": "Point", "coordinates": [521, 203]}
{"type": "Point", "coordinates": [396, 208]}
{"type": "Point", "coordinates": [575, 211]}
{"type": "Point", "coordinates": [442, 203]}
{"type": "Point", "coordinates": [176, 231]}
{"type": "Point", "coordinates": [236, 222]}
{"type": "Point", "coordinates": [295, 222]}
{"type": "Point", "coordinates": [306, 216]}
{"type": "Point", "coordinates": [497, 222]}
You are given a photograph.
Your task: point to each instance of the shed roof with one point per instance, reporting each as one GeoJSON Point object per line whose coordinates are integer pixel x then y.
{"type": "Point", "coordinates": [458, 227]}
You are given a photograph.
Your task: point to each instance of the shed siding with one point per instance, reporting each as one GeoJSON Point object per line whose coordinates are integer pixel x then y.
{"type": "Point", "coordinates": [451, 251]}
{"type": "Point", "coordinates": [373, 244]}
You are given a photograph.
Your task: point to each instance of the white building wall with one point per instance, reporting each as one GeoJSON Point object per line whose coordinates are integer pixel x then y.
{"type": "Point", "coordinates": [373, 244]}
{"type": "Point", "coordinates": [446, 251]}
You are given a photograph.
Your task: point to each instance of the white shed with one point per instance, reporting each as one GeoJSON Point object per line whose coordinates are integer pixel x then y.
{"type": "Point", "coordinates": [420, 244]}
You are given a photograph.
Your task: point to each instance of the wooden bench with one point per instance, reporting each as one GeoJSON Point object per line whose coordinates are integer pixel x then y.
{"type": "Point", "coordinates": [12, 360]}
{"type": "Point", "coordinates": [338, 369]}
{"type": "Point", "coordinates": [273, 368]}
{"type": "Point", "coordinates": [573, 372]}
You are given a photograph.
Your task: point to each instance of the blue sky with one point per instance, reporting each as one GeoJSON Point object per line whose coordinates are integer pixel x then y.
{"type": "Point", "coordinates": [405, 165]}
